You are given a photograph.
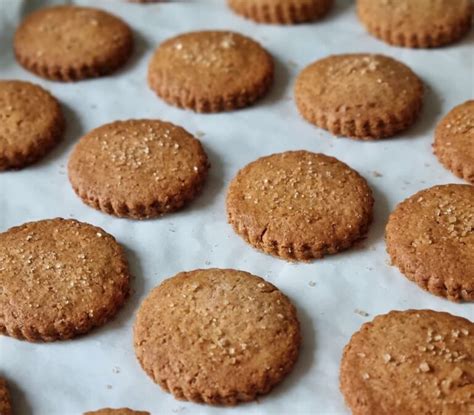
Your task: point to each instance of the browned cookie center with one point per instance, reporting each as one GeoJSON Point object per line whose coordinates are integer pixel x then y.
{"type": "Point", "coordinates": [299, 205]}
{"type": "Point", "coordinates": [410, 362]}
{"type": "Point", "coordinates": [210, 71]}
{"type": "Point", "coordinates": [359, 95]}
{"type": "Point", "coordinates": [430, 237]}
{"type": "Point", "coordinates": [59, 278]}
{"type": "Point", "coordinates": [217, 336]}
{"type": "Point", "coordinates": [138, 168]}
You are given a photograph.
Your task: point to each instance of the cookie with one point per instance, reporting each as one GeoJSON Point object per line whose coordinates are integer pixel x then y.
{"type": "Point", "coordinates": [430, 238]}
{"type": "Point", "coordinates": [202, 71]}
{"type": "Point", "coordinates": [299, 205]}
{"type": "Point", "coordinates": [410, 362]}
{"type": "Point", "coordinates": [416, 24]}
{"type": "Point", "coordinates": [281, 11]}
{"type": "Point", "coordinates": [218, 336]}
{"type": "Point", "coordinates": [454, 141]}
{"type": "Point", "coordinates": [31, 123]}
{"type": "Point", "coordinates": [362, 96]}
{"type": "Point", "coordinates": [120, 411]}
{"type": "Point", "coordinates": [59, 278]}
{"type": "Point", "coordinates": [138, 168]}
{"type": "Point", "coordinates": [70, 43]}
{"type": "Point", "coordinates": [5, 404]}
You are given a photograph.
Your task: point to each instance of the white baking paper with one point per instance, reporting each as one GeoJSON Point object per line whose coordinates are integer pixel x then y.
{"type": "Point", "coordinates": [332, 295]}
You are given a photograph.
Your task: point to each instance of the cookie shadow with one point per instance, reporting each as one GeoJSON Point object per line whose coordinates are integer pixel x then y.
{"type": "Point", "coordinates": [19, 401]}
{"type": "Point", "coordinates": [73, 131]}
{"type": "Point", "coordinates": [280, 84]}
{"type": "Point", "coordinates": [213, 186]}
{"type": "Point", "coordinates": [429, 116]}
{"type": "Point", "coordinates": [376, 231]}
{"type": "Point", "coordinates": [140, 47]}
{"type": "Point", "coordinates": [137, 288]}
{"type": "Point", "coordinates": [339, 7]}
{"type": "Point", "coordinates": [305, 360]}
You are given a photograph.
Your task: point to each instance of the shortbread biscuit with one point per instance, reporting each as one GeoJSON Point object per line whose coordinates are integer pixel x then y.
{"type": "Point", "coordinates": [361, 96]}
{"type": "Point", "coordinates": [138, 168]}
{"type": "Point", "coordinates": [5, 404]}
{"type": "Point", "coordinates": [416, 23]}
{"type": "Point", "coordinates": [31, 123]}
{"type": "Point", "coordinates": [430, 238]}
{"type": "Point", "coordinates": [218, 336]}
{"type": "Point", "coordinates": [299, 205]}
{"type": "Point", "coordinates": [59, 278]}
{"type": "Point", "coordinates": [120, 411]}
{"type": "Point", "coordinates": [281, 11]}
{"type": "Point", "coordinates": [70, 43]}
{"type": "Point", "coordinates": [454, 141]}
{"type": "Point", "coordinates": [410, 362]}
{"type": "Point", "coordinates": [210, 71]}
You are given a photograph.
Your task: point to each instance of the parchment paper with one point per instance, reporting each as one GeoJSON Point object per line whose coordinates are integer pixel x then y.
{"type": "Point", "coordinates": [334, 296]}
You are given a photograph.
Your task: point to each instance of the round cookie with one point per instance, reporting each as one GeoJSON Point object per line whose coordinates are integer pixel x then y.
{"type": "Point", "coordinates": [5, 404]}
{"type": "Point", "coordinates": [410, 362]}
{"type": "Point", "coordinates": [299, 205]}
{"type": "Point", "coordinates": [210, 71]}
{"type": "Point", "coordinates": [59, 278]}
{"type": "Point", "coordinates": [416, 24]}
{"type": "Point", "coordinates": [218, 336]}
{"type": "Point", "coordinates": [362, 96]}
{"type": "Point", "coordinates": [138, 168]}
{"type": "Point", "coordinates": [120, 411]}
{"type": "Point", "coordinates": [430, 238]}
{"type": "Point", "coordinates": [281, 11]}
{"type": "Point", "coordinates": [454, 141]}
{"type": "Point", "coordinates": [70, 43]}
{"type": "Point", "coordinates": [31, 123]}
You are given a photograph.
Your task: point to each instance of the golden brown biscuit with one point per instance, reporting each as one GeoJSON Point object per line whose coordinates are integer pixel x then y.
{"type": "Point", "coordinates": [70, 43]}
{"type": "Point", "coordinates": [430, 238]}
{"type": "Point", "coordinates": [59, 278]}
{"type": "Point", "coordinates": [299, 205]}
{"type": "Point", "coordinates": [454, 141]}
{"type": "Point", "coordinates": [120, 411]}
{"type": "Point", "coordinates": [281, 11]}
{"type": "Point", "coordinates": [31, 123]}
{"type": "Point", "coordinates": [410, 362]}
{"type": "Point", "coordinates": [218, 336]}
{"type": "Point", "coordinates": [210, 71]}
{"type": "Point", "coordinates": [361, 96]}
{"type": "Point", "coordinates": [5, 404]}
{"type": "Point", "coordinates": [138, 168]}
{"type": "Point", "coordinates": [416, 23]}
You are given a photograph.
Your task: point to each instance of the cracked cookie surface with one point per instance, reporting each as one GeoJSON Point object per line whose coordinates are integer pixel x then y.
{"type": "Point", "coordinates": [430, 238]}
{"type": "Point", "coordinates": [299, 205]}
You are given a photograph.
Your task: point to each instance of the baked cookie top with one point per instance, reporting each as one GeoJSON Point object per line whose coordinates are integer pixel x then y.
{"type": "Point", "coordinates": [359, 95]}
{"type": "Point", "coordinates": [454, 141]}
{"type": "Point", "coordinates": [410, 362]}
{"type": "Point", "coordinates": [138, 168]}
{"type": "Point", "coordinates": [299, 205]}
{"type": "Point", "coordinates": [210, 71]}
{"type": "Point", "coordinates": [31, 123]}
{"type": "Point", "coordinates": [430, 237]}
{"type": "Point", "coordinates": [69, 43]}
{"type": "Point", "coordinates": [218, 336]}
{"type": "Point", "coordinates": [59, 278]}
